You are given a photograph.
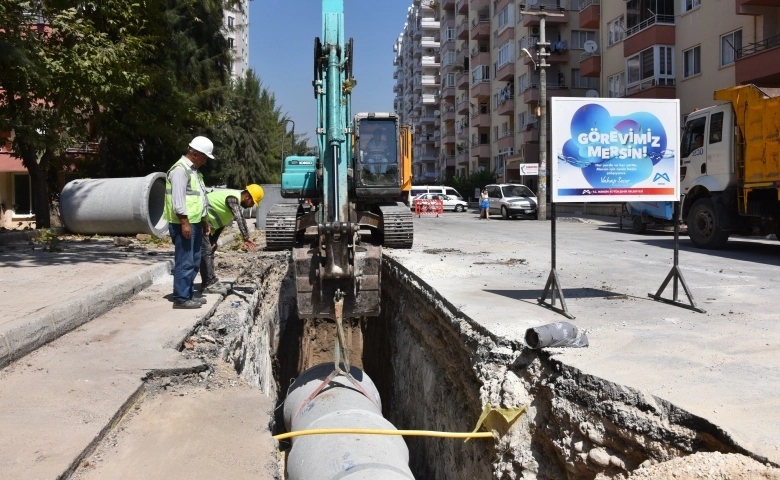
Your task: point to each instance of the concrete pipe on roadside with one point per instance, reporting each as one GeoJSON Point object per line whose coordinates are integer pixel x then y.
{"type": "Point", "coordinates": [115, 206]}
{"type": "Point", "coordinates": [341, 456]}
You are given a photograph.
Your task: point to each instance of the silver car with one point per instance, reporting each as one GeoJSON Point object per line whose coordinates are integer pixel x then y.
{"type": "Point", "coordinates": [511, 200]}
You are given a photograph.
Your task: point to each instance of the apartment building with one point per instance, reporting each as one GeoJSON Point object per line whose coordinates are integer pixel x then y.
{"type": "Point", "coordinates": [485, 112]}
{"type": "Point", "coordinates": [236, 23]}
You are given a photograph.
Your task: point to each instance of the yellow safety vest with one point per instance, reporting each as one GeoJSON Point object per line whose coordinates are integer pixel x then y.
{"type": "Point", "coordinates": [193, 198]}
{"type": "Point", "coordinates": [220, 213]}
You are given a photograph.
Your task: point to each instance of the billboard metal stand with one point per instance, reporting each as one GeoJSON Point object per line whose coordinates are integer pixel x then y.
{"type": "Point", "coordinates": [676, 273]}
{"type": "Point", "coordinates": [553, 286]}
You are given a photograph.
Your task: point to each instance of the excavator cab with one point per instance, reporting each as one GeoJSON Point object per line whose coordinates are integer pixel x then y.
{"type": "Point", "coordinates": [377, 167]}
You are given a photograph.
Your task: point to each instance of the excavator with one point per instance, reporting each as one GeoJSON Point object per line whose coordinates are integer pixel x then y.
{"type": "Point", "coordinates": [350, 193]}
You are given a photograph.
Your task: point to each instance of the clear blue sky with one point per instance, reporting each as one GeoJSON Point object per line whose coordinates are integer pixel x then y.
{"type": "Point", "coordinates": [281, 52]}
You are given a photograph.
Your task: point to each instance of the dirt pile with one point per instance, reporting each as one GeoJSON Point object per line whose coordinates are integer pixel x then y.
{"type": "Point", "coordinates": [709, 466]}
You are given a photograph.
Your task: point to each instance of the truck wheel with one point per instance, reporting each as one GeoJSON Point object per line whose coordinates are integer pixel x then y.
{"type": "Point", "coordinates": [703, 228]}
{"type": "Point", "coordinates": [639, 225]}
{"type": "Point", "coordinates": [504, 213]}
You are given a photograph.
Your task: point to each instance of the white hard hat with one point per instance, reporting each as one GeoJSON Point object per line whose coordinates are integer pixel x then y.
{"type": "Point", "coordinates": [203, 145]}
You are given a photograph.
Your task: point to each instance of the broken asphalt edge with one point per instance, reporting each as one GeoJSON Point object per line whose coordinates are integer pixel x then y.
{"type": "Point", "coordinates": [30, 333]}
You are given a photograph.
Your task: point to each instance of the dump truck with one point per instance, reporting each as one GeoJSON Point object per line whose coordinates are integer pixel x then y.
{"type": "Point", "coordinates": [730, 167]}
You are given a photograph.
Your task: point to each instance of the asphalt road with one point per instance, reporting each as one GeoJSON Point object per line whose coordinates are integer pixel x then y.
{"type": "Point", "coordinates": [722, 365]}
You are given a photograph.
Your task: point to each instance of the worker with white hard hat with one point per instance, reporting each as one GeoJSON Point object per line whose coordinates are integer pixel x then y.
{"type": "Point", "coordinates": [223, 209]}
{"type": "Point", "coordinates": [186, 209]}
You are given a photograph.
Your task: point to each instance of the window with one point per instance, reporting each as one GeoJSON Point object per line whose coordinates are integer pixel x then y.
{"type": "Point", "coordinates": [522, 83]}
{"type": "Point", "coordinates": [716, 127]}
{"type": "Point", "coordinates": [579, 37]}
{"type": "Point", "coordinates": [448, 35]}
{"type": "Point", "coordinates": [506, 16]}
{"type": "Point", "coordinates": [231, 43]}
{"type": "Point", "coordinates": [448, 58]}
{"type": "Point", "coordinates": [480, 73]}
{"type": "Point", "coordinates": [578, 81]}
{"type": "Point", "coordinates": [521, 121]}
{"type": "Point", "coordinates": [730, 45]}
{"type": "Point", "coordinates": [495, 132]}
{"type": "Point", "coordinates": [693, 137]}
{"type": "Point", "coordinates": [656, 63]}
{"type": "Point", "coordinates": [689, 5]}
{"type": "Point", "coordinates": [616, 84]}
{"type": "Point", "coordinates": [692, 62]}
{"type": "Point", "coordinates": [22, 195]}
{"type": "Point", "coordinates": [449, 80]}
{"type": "Point", "coordinates": [506, 53]}
{"type": "Point", "coordinates": [616, 30]}
{"type": "Point", "coordinates": [231, 22]}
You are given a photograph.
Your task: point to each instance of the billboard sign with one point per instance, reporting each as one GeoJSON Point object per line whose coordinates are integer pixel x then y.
{"type": "Point", "coordinates": [615, 150]}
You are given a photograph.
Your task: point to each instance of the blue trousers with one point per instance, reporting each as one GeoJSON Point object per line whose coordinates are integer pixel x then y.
{"type": "Point", "coordinates": [187, 260]}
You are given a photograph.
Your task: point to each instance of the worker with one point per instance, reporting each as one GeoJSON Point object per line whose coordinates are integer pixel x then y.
{"type": "Point", "coordinates": [377, 151]}
{"type": "Point", "coordinates": [223, 209]}
{"type": "Point", "coordinates": [186, 210]}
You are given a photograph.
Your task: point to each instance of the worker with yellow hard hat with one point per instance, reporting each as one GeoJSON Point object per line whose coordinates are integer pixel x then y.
{"type": "Point", "coordinates": [222, 210]}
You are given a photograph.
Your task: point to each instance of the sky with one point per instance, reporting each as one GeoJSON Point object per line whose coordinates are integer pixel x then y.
{"type": "Point", "coordinates": [281, 52]}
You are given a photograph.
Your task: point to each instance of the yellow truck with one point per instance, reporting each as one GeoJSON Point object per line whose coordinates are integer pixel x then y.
{"type": "Point", "coordinates": [730, 171]}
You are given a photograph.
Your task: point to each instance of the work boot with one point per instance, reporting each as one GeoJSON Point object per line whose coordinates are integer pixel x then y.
{"type": "Point", "coordinates": [201, 300]}
{"type": "Point", "coordinates": [188, 305]}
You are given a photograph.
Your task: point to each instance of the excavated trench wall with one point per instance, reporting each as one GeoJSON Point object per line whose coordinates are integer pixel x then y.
{"type": "Point", "coordinates": [436, 368]}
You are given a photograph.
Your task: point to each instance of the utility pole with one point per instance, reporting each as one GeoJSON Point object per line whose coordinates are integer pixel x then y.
{"type": "Point", "coordinates": [541, 189]}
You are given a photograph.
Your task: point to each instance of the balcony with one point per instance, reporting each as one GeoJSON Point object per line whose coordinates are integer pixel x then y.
{"type": "Point", "coordinates": [479, 58]}
{"type": "Point", "coordinates": [463, 107]}
{"type": "Point", "coordinates": [506, 140]}
{"type": "Point", "coordinates": [530, 152]}
{"type": "Point", "coordinates": [426, 138]}
{"type": "Point", "coordinates": [507, 107]}
{"type": "Point", "coordinates": [508, 33]}
{"type": "Point", "coordinates": [590, 64]}
{"type": "Point", "coordinates": [448, 139]}
{"type": "Point", "coordinates": [448, 115]}
{"type": "Point", "coordinates": [589, 13]}
{"type": "Point", "coordinates": [429, 42]}
{"type": "Point", "coordinates": [480, 29]}
{"type": "Point", "coordinates": [479, 119]}
{"type": "Point", "coordinates": [427, 119]}
{"type": "Point", "coordinates": [529, 134]}
{"type": "Point", "coordinates": [429, 24]}
{"type": "Point", "coordinates": [448, 22]}
{"type": "Point", "coordinates": [652, 88]}
{"type": "Point", "coordinates": [428, 80]}
{"type": "Point", "coordinates": [429, 99]}
{"type": "Point", "coordinates": [417, 50]}
{"type": "Point", "coordinates": [475, 5]}
{"type": "Point", "coordinates": [533, 20]}
{"type": "Point", "coordinates": [555, 58]}
{"type": "Point", "coordinates": [448, 4]}
{"type": "Point", "coordinates": [532, 93]}
{"type": "Point", "coordinates": [753, 7]}
{"type": "Point", "coordinates": [462, 158]}
{"type": "Point", "coordinates": [481, 150]}
{"type": "Point", "coordinates": [462, 80]}
{"type": "Point", "coordinates": [500, 4]}
{"type": "Point", "coordinates": [658, 29]}
{"type": "Point", "coordinates": [506, 72]}
{"type": "Point", "coordinates": [480, 89]}
{"type": "Point", "coordinates": [430, 61]}
{"type": "Point", "coordinates": [462, 32]}
{"type": "Point", "coordinates": [462, 7]}
{"type": "Point", "coordinates": [758, 63]}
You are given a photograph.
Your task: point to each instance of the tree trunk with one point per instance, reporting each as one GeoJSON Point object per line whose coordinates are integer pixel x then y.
{"type": "Point", "coordinates": [40, 188]}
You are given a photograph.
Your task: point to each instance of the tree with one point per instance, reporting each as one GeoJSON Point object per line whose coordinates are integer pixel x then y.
{"type": "Point", "coordinates": [467, 185]}
{"type": "Point", "coordinates": [62, 61]}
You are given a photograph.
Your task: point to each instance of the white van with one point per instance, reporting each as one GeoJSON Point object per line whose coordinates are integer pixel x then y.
{"type": "Point", "coordinates": [449, 191]}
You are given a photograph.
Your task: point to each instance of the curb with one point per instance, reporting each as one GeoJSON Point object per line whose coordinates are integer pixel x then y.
{"type": "Point", "coordinates": [29, 333]}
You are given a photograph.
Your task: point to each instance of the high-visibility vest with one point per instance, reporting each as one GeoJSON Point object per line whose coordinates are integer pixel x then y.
{"type": "Point", "coordinates": [220, 213]}
{"type": "Point", "coordinates": [193, 198]}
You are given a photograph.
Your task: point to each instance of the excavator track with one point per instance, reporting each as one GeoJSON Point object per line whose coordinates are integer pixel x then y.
{"type": "Point", "coordinates": [280, 226]}
{"type": "Point", "coordinates": [397, 226]}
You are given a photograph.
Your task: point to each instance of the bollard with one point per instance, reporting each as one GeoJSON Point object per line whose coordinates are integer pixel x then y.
{"type": "Point", "coordinates": [115, 206]}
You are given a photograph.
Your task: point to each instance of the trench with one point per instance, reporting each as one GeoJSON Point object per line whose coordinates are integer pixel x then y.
{"type": "Point", "coordinates": [435, 369]}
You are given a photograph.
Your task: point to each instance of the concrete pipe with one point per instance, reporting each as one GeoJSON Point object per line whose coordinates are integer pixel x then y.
{"type": "Point", "coordinates": [341, 456]}
{"type": "Point", "coordinates": [115, 206]}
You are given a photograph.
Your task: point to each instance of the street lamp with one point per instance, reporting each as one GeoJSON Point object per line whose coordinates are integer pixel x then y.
{"type": "Point", "coordinates": [541, 189]}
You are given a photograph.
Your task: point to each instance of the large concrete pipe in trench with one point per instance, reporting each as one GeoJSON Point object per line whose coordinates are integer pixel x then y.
{"type": "Point", "coordinates": [341, 456]}
{"type": "Point", "coordinates": [115, 206]}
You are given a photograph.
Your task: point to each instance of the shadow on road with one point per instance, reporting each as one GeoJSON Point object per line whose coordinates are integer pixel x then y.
{"type": "Point", "coordinates": [23, 255]}
{"type": "Point", "coordinates": [533, 295]}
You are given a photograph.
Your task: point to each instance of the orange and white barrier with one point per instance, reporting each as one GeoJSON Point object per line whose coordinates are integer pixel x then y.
{"type": "Point", "coordinates": [428, 207]}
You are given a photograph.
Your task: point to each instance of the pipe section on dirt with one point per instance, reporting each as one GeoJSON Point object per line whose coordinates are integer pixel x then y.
{"type": "Point", "coordinates": [341, 405]}
{"type": "Point", "coordinates": [115, 206]}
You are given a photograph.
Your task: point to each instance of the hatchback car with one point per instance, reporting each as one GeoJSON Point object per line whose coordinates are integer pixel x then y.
{"type": "Point", "coordinates": [450, 203]}
{"type": "Point", "coordinates": [511, 200]}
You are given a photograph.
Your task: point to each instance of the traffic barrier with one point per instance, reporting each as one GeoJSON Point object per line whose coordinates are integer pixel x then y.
{"type": "Point", "coordinates": [428, 207]}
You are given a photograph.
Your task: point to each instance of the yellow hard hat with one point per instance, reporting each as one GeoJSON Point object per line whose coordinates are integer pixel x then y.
{"type": "Point", "coordinates": [256, 191]}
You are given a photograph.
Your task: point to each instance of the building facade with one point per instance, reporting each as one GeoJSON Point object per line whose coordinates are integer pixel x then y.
{"type": "Point", "coordinates": [485, 111]}
{"type": "Point", "coordinates": [236, 22]}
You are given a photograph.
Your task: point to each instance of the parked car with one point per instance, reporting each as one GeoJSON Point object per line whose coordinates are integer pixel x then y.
{"type": "Point", "coordinates": [449, 191]}
{"type": "Point", "coordinates": [511, 200]}
{"type": "Point", "coordinates": [450, 203]}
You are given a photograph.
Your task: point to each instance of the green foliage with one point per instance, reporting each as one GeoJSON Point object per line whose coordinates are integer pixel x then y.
{"type": "Point", "coordinates": [467, 185]}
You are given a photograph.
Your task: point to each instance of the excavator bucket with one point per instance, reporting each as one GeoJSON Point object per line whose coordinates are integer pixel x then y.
{"type": "Point", "coordinates": [360, 291]}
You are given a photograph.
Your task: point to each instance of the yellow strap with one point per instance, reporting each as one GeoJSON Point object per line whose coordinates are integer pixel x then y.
{"type": "Point", "coordinates": [408, 433]}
